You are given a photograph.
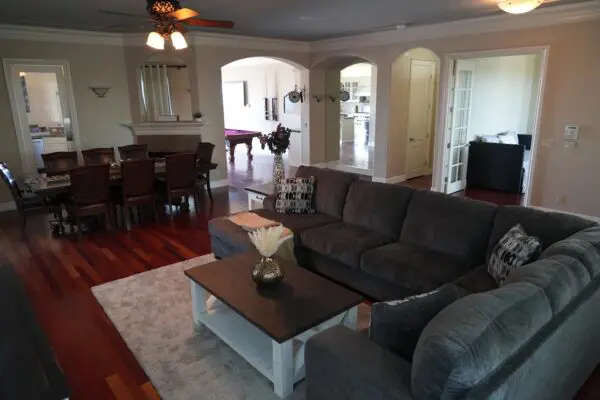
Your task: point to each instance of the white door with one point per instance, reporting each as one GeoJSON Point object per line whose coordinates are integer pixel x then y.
{"type": "Point", "coordinates": [460, 113]}
{"type": "Point", "coordinates": [41, 94]}
{"type": "Point", "coordinates": [420, 108]}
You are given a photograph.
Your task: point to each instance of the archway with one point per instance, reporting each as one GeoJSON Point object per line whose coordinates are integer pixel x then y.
{"type": "Point", "coordinates": [413, 114]}
{"type": "Point", "coordinates": [349, 93]}
{"type": "Point", "coordinates": [255, 100]}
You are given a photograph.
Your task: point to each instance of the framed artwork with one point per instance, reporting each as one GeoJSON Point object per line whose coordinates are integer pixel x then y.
{"type": "Point", "coordinates": [274, 109]}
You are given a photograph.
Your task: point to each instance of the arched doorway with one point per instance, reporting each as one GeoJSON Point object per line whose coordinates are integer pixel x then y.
{"type": "Point", "coordinates": [343, 117]}
{"type": "Point", "coordinates": [255, 101]}
{"type": "Point", "coordinates": [413, 114]}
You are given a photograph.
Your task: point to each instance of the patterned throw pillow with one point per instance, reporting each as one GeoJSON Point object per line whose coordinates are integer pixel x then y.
{"type": "Point", "coordinates": [295, 196]}
{"type": "Point", "coordinates": [514, 250]}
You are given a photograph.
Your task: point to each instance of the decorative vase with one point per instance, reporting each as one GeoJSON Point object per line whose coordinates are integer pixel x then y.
{"type": "Point", "coordinates": [278, 169]}
{"type": "Point", "coordinates": [267, 272]}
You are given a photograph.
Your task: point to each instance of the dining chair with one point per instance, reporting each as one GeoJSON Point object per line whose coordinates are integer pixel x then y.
{"type": "Point", "coordinates": [204, 153]}
{"type": "Point", "coordinates": [27, 203]}
{"type": "Point", "coordinates": [97, 156]}
{"type": "Point", "coordinates": [60, 162]}
{"type": "Point", "coordinates": [134, 152]}
{"type": "Point", "coordinates": [180, 178]}
{"type": "Point", "coordinates": [90, 194]}
{"type": "Point", "coordinates": [138, 186]}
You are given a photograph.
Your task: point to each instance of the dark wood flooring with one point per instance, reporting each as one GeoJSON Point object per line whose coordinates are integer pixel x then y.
{"type": "Point", "coordinates": [59, 272]}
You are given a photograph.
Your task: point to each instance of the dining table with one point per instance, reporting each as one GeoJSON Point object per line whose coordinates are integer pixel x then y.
{"type": "Point", "coordinates": [50, 187]}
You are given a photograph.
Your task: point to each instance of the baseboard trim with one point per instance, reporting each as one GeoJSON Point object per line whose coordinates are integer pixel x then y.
{"type": "Point", "coordinates": [8, 206]}
{"type": "Point", "coordinates": [393, 179]}
{"type": "Point", "coordinates": [219, 183]}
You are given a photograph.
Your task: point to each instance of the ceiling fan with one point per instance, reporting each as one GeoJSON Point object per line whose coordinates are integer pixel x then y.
{"type": "Point", "coordinates": [169, 20]}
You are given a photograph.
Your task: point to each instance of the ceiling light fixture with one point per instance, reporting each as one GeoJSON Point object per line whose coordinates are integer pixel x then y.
{"type": "Point", "coordinates": [156, 41]}
{"type": "Point", "coordinates": [519, 6]}
{"type": "Point", "coordinates": [178, 41]}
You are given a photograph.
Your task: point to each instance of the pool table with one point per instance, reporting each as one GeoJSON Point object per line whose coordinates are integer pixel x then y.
{"type": "Point", "coordinates": [233, 137]}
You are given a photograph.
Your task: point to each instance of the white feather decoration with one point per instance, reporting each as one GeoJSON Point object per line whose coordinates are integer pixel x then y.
{"type": "Point", "coordinates": [267, 240]}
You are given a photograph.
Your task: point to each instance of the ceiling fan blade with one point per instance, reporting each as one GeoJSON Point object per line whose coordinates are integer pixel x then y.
{"type": "Point", "coordinates": [184, 13]}
{"type": "Point", "coordinates": [180, 28]}
{"type": "Point", "coordinates": [210, 23]}
{"type": "Point", "coordinates": [122, 14]}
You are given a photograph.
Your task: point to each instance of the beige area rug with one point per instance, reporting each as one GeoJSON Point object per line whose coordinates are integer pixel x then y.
{"type": "Point", "coordinates": [153, 313]}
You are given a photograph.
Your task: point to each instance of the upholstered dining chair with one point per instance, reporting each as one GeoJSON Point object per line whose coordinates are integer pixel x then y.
{"type": "Point", "coordinates": [97, 156]}
{"type": "Point", "coordinates": [138, 186]}
{"type": "Point", "coordinates": [180, 178]}
{"type": "Point", "coordinates": [134, 152]}
{"type": "Point", "coordinates": [60, 162]}
{"type": "Point", "coordinates": [27, 203]}
{"type": "Point", "coordinates": [204, 153]}
{"type": "Point", "coordinates": [90, 194]}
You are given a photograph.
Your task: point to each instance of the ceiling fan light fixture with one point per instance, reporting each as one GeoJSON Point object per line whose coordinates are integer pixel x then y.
{"type": "Point", "coordinates": [519, 6]}
{"type": "Point", "coordinates": [178, 41]}
{"type": "Point", "coordinates": [156, 41]}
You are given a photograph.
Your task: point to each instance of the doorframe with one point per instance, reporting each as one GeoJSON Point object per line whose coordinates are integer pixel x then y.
{"type": "Point", "coordinates": [442, 134]}
{"type": "Point", "coordinates": [8, 64]}
{"type": "Point", "coordinates": [430, 119]}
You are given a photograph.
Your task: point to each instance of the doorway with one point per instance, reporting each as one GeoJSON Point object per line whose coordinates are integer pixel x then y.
{"type": "Point", "coordinates": [491, 119]}
{"type": "Point", "coordinates": [43, 108]}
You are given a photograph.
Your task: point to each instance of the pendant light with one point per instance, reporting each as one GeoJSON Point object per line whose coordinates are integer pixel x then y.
{"type": "Point", "coordinates": [519, 6]}
{"type": "Point", "coordinates": [178, 41]}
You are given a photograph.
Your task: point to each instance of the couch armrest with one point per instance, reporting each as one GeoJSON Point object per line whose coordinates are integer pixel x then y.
{"type": "Point", "coordinates": [343, 364]}
{"type": "Point", "coordinates": [269, 203]}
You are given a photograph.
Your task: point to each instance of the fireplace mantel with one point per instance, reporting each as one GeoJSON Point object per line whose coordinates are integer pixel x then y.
{"type": "Point", "coordinates": [167, 137]}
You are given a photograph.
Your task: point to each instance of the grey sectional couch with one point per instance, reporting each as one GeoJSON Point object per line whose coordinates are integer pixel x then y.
{"type": "Point", "coordinates": [533, 338]}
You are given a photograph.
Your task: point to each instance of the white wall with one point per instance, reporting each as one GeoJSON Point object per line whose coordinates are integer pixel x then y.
{"type": "Point", "coordinates": [503, 92]}
{"type": "Point", "coordinates": [44, 103]}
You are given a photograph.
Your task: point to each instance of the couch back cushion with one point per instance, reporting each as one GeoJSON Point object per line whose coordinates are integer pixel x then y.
{"type": "Point", "coordinates": [377, 206]}
{"type": "Point", "coordinates": [449, 225]}
{"type": "Point", "coordinates": [550, 227]}
{"type": "Point", "coordinates": [560, 276]}
{"type": "Point", "coordinates": [331, 189]}
{"type": "Point", "coordinates": [473, 336]}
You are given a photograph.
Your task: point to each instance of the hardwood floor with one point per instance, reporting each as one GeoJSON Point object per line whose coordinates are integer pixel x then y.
{"type": "Point", "coordinates": [59, 272]}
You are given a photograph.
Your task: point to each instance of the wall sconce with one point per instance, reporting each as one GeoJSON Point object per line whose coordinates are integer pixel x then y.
{"type": "Point", "coordinates": [318, 98]}
{"type": "Point", "coordinates": [101, 92]}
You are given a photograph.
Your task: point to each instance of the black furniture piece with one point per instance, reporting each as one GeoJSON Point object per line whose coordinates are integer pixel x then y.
{"type": "Point", "coordinates": [180, 179]}
{"type": "Point", "coordinates": [134, 152]}
{"type": "Point", "coordinates": [60, 162]}
{"type": "Point", "coordinates": [98, 156]}
{"type": "Point", "coordinates": [204, 153]}
{"type": "Point", "coordinates": [28, 368]}
{"type": "Point", "coordinates": [27, 203]}
{"type": "Point", "coordinates": [138, 187]}
{"type": "Point", "coordinates": [496, 166]}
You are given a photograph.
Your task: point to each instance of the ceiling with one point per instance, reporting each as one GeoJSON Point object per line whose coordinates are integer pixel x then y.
{"type": "Point", "coordinates": [291, 19]}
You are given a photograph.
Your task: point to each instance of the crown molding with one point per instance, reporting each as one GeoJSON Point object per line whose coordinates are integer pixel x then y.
{"type": "Point", "coordinates": [54, 35]}
{"type": "Point", "coordinates": [543, 17]}
{"type": "Point", "coordinates": [231, 41]}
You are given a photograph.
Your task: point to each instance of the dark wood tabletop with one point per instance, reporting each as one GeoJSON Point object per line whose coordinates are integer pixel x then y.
{"type": "Point", "coordinates": [302, 301]}
{"type": "Point", "coordinates": [48, 187]}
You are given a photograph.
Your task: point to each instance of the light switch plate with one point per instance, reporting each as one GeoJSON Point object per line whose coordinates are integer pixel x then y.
{"type": "Point", "coordinates": [571, 133]}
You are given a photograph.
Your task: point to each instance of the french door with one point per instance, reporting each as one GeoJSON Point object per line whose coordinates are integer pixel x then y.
{"type": "Point", "coordinates": [460, 114]}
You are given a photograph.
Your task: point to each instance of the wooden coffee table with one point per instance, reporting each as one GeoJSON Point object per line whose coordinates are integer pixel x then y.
{"type": "Point", "coordinates": [269, 327]}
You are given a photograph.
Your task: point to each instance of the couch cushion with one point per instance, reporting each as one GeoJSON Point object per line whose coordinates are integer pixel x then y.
{"type": "Point", "coordinates": [477, 280]}
{"type": "Point", "coordinates": [343, 242]}
{"type": "Point", "coordinates": [473, 336]}
{"type": "Point", "coordinates": [449, 225]}
{"type": "Point", "coordinates": [561, 277]}
{"type": "Point", "coordinates": [583, 245]}
{"type": "Point", "coordinates": [397, 325]}
{"type": "Point", "coordinates": [550, 227]}
{"type": "Point", "coordinates": [331, 189]}
{"type": "Point", "coordinates": [377, 206]}
{"type": "Point", "coordinates": [298, 223]}
{"type": "Point", "coordinates": [415, 267]}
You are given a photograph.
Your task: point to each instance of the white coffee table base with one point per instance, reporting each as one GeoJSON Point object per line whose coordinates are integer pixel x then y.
{"type": "Point", "coordinates": [281, 363]}
{"type": "Point", "coordinates": [255, 200]}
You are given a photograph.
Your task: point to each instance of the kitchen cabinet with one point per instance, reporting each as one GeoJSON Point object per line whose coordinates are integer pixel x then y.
{"type": "Point", "coordinates": [45, 145]}
{"type": "Point", "coordinates": [346, 129]}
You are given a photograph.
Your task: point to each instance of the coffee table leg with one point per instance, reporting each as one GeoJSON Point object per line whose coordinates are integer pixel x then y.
{"type": "Point", "coordinates": [198, 302]}
{"type": "Point", "coordinates": [283, 368]}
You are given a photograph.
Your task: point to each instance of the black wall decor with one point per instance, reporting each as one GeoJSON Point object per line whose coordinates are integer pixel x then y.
{"type": "Point", "coordinates": [267, 109]}
{"type": "Point", "coordinates": [274, 109]}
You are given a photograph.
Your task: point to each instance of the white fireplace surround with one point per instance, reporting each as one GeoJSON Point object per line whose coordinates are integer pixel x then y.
{"type": "Point", "coordinates": [179, 128]}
